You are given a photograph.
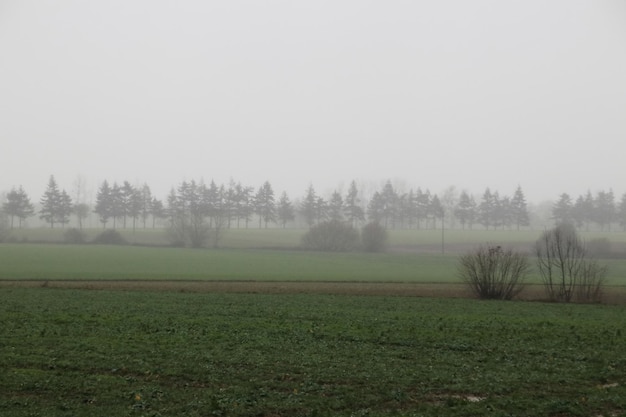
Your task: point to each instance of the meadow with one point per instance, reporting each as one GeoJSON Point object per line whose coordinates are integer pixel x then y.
{"type": "Point", "coordinates": [141, 353]}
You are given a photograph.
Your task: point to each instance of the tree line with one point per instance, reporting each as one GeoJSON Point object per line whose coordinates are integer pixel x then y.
{"type": "Point", "coordinates": [223, 206]}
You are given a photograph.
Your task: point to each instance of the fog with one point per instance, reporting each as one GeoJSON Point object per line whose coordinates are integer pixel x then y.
{"type": "Point", "coordinates": [432, 94]}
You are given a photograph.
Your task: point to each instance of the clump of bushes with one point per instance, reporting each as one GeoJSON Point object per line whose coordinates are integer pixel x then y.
{"type": "Point", "coordinates": [373, 237]}
{"type": "Point", "coordinates": [110, 237]}
{"type": "Point", "coordinates": [74, 236]}
{"type": "Point", "coordinates": [331, 236]}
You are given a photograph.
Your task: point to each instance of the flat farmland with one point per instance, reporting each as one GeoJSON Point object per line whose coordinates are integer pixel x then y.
{"type": "Point", "coordinates": [136, 353]}
{"type": "Point", "coordinates": [91, 330]}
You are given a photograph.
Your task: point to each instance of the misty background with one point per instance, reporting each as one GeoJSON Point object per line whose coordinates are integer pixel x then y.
{"type": "Point", "coordinates": [432, 94]}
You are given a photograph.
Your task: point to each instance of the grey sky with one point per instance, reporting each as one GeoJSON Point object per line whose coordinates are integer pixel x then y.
{"type": "Point", "coordinates": [474, 94]}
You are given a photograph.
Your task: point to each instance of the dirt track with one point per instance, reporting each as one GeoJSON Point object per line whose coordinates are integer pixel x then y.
{"type": "Point", "coordinates": [613, 295]}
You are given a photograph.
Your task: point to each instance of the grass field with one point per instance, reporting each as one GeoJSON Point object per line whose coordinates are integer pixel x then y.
{"type": "Point", "coordinates": [94, 262]}
{"type": "Point", "coordinates": [94, 353]}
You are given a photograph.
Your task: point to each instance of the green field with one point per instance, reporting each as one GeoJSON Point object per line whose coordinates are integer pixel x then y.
{"type": "Point", "coordinates": [68, 352]}
{"type": "Point", "coordinates": [95, 353]}
{"type": "Point", "coordinates": [96, 262]}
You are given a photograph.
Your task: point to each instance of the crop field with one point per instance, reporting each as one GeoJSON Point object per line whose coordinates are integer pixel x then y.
{"type": "Point", "coordinates": [262, 328]}
{"type": "Point", "coordinates": [138, 353]}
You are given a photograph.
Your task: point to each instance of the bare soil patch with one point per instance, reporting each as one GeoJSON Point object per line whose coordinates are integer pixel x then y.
{"type": "Point", "coordinates": [613, 295]}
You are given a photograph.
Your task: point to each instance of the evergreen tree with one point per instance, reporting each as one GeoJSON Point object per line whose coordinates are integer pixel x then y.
{"type": "Point", "coordinates": [389, 205]}
{"type": "Point", "coordinates": [408, 211]}
{"type": "Point", "coordinates": [146, 204]}
{"type": "Point", "coordinates": [583, 210]}
{"type": "Point", "coordinates": [604, 209]}
{"type": "Point", "coordinates": [487, 209]}
{"type": "Point", "coordinates": [117, 203]}
{"type": "Point", "coordinates": [104, 203]}
{"type": "Point", "coordinates": [421, 206]}
{"type": "Point", "coordinates": [578, 212]}
{"type": "Point", "coordinates": [436, 210]}
{"type": "Point", "coordinates": [18, 205]}
{"type": "Point", "coordinates": [352, 208]}
{"type": "Point", "coordinates": [376, 208]}
{"type": "Point", "coordinates": [137, 207]}
{"type": "Point", "coordinates": [50, 202]}
{"type": "Point", "coordinates": [562, 210]}
{"type": "Point", "coordinates": [504, 211]}
{"type": "Point", "coordinates": [321, 210]}
{"type": "Point", "coordinates": [157, 210]}
{"type": "Point", "coordinates": [308, 206]}
{"type": "Point", "coordinates": [65, 208]}
{"type": "Point", "coordinates": [127, 195]}
{"type": "Point", "coordinates": [285, 211]}
{"type": "Point", "coordinates": [245, 207]}
{"type": "Point", "coordinates": [519, 209]}
{"type": "Point", "coordinates": [264, 203]}
{"type": "Point", "coordinates": [335, 207]}
{"type": "Point", "coordinates": [465, 210]}
{"type": "Point", "coordinates": [403, 211]}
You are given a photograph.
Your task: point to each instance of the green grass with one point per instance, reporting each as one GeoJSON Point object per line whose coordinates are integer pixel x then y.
{"type": "Point", "coordinates": [95, 353]}
{"type": "Point", "coordinates": [94, 262]}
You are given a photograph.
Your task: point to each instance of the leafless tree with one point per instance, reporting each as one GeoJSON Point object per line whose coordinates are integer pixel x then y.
{"type": "Point", "coordinates": [494, 273]}
{"type": "Point", "coordinates": [567, 271]}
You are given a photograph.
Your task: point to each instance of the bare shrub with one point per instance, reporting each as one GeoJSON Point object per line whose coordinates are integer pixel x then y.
{"type": "Point", "coordinates": [567, 271]}
{"type": "Point", "coordinates": [331, 236]}
{"type": "Point", "coordinates": [373, 237]}
{"type": "Point", "coordinates": [494, 273]}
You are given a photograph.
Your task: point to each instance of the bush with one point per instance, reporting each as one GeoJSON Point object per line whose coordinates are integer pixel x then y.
{"type": "Point", "coordinates": [494, 273]}
{"type": "Point", "coordinates": [110, 237]}
{"type": "Point", "coordinates": [373, 237]}
{"type": "Point", "coordinates": [74, 236]}
{"type": "Point", "coordinates": [566, 269]}
{"type": "Point", "coordinates": [331, 236]}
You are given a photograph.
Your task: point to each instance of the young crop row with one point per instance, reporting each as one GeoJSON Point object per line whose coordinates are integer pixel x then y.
{"type": "Point", "coordinates": [65, 352]}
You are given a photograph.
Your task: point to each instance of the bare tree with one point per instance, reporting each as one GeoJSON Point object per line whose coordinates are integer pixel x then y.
{"type": "Point", "coordinates": [566, 270]}
{"type": "Point", "coordinates": [494, 273]}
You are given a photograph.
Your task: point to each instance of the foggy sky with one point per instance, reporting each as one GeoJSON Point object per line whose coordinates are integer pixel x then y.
{"type": "Point", "coordinates": [475, 94]}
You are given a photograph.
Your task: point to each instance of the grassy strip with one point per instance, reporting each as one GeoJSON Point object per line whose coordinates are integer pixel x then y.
{"type": "Point", "coordinates": [67, 352]}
